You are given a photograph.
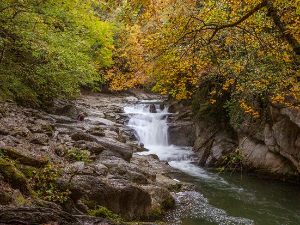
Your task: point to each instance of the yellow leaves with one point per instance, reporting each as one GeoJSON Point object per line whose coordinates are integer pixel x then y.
{"type": "Point", "coordinates": [278, 99]}
{"type": "Point", "coordinates": [228, 83]}
{"type": "Point", "coordinates": [248, 109]}
{"type": "Point", "coordinates": [212, 101]}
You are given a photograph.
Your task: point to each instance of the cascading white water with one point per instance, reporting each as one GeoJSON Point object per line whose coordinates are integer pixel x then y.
{"type": "Point", "coordinates": [152, 131]}
{"type": "Point", "coordinates": [151, 128]}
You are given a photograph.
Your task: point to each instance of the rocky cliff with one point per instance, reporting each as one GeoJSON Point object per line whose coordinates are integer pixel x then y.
{"type": "Point", "coordinates": [271, 147]}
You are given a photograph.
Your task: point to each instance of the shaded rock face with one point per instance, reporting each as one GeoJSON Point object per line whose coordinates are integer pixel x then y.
{"type": "Point", "coordinates": [128, 201]}
{"type": "Point", "coordinates": [272, 148]}
{"type": "Point", "coordinates": [181, 133]}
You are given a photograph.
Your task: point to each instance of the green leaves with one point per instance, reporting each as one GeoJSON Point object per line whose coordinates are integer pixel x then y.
{"type": "Point", "coordinates": [50, 48]}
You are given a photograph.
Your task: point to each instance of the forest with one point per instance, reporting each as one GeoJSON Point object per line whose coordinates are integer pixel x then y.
{"type": "Point", "coordinates": [207, 90]}
{"type": "Point", "coordinates": [224, 55]}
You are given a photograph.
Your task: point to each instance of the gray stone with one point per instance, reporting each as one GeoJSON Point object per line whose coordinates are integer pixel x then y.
{"type": "Point", "coordinates": [258, 157]}
{"type": "Point", "coordinates": [119, 149]}
{"type": "Point", "coordinates": [100, 169]}
{"type": "Point", "coordinates": [35, 215]}
{"type": "Point", "coordinates": [95, 147]}
{"type": "Point", "coordinates": [181, 133]}
{"type": "Point", "coordinates": [39, 138]}
{"type": "Point", "coordinates": [3, 130]}
{"type": "Point", "coordinates": [21, 131]}
{"type": "Point", "coordinates": [83, 136]}
{"type": "Point", "coordinates": [119, 196]}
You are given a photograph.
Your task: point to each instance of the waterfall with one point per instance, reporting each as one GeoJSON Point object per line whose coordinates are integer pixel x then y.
{"type": "Point", "coordinates": [150, 124]}
{"type": "Point", "coordinates": [217, 204]}
{"type": "Point", "coordinates": [149, 120]}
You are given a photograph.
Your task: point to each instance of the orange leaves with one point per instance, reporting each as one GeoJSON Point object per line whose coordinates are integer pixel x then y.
{"type": "Point", "coordinates": [238, 46]}
{"type": "Point", "coordinates": [248, 109]}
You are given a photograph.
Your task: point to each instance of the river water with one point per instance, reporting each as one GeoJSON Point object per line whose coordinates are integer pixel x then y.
{"type": "Point", "coordinates": [219, 199]}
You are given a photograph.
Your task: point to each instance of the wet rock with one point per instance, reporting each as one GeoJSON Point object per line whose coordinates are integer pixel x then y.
{"type": "Point", "coordinates": [181, 133]}
{"type": "Point", "coordinates": [169, 183]}
{"type": "Point", "coordinates": [120, 172]}
{"type": "Point", "coordinates": [83, 136]}
{"type": "Point", "coordinates": [117, 148]}
{"type": "Point", "coordinates": [100, 169]}
{"type": "Point", "coordinates": [62, 107]}
{"type": "Point", "coordinates": [41, 126]}
{"type": "Point", "coordinates": [47, 204]}
{"type": "Point", "coordinates": [76, 166]}
{"type": "Point", "coordinates": [21, 131]}
{"type": "Point", "coordinates": [258, 157]}
{"type": "Point", "coordinates": [10, 141]}
{"type": "Point", "coordinates": [152, 108]}
{"type": "Point", "coordinates": [81, 206]}
{"type": "Point", "coordinates": [161, 198]}
{"type": "Point", "coordinates": [221, 146]}
{"type": "Point", "coordinates": [97, 132]}
{"type": "Point", "coordinates": [286, 134]}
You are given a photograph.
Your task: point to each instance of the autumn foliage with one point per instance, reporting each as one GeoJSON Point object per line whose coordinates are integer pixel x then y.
{"type": "Point", "coordinates": [243, 55]}
{"type": "Point", "coordinates": [226, 55]}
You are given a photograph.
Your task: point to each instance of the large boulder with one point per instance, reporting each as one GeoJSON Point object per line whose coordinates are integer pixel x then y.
{"type": "Point", "coordinates": [119, 196]}
{"type": "Point", "coordinates": [119, 149]}
{"type": "Point", "coordinates": [181, 133]}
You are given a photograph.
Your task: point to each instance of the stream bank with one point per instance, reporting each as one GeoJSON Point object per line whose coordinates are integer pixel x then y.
{"type": "Point", "coordinates": [55, 169]}
{"type": "Point", "coordinates": [269, 148]}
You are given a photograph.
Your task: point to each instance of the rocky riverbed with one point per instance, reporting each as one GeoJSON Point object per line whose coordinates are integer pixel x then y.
{"type": "Point", "coordinates": [57, 170]}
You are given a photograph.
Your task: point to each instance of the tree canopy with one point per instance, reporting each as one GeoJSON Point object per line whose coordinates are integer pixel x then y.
{"type": "Point", "coordinates": [234, 54]}
{"type": "Point", "coordinates": [226, 55]}
{"type": "Point", "coordinates": [49, 48]}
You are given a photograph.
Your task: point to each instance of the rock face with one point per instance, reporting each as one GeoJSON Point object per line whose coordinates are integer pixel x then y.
{"type": "Point", "coordinates": [181, 133]}
{"type": "Point", "coordinates": [272, 148]}
{"type": "Point", "coordinates": [95, 159]}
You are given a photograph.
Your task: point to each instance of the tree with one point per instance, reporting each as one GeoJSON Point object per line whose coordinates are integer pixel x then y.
{"type": "Point", "coordinates": [49, 48]}
{"type": "Point", "coordinates": [244, 54]}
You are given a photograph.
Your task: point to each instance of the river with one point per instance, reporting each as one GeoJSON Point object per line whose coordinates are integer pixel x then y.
{"type": "Point", "coordinates": [226, 198]}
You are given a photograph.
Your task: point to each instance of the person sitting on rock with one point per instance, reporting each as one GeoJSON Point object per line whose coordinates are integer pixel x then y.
{"type": "Point", "coordinates": [80, 117]}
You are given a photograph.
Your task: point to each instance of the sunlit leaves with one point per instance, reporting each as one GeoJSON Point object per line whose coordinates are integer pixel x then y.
{"type": "Point", "coordinates": [238, 47]}
{"type": "Point", "coordinates": [52, 47]}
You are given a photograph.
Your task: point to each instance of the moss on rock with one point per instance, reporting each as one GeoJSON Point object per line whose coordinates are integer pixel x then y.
{"type": "Point", "coordinates": [13, 176]}
{"type": "Point", "coordinates": [23, 157]}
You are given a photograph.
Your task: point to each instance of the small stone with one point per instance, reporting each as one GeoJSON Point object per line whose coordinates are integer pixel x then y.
{"type": "Point", "coordinates": [95, 148]}
{"type": "Point", "coordinates": [39, 138]}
